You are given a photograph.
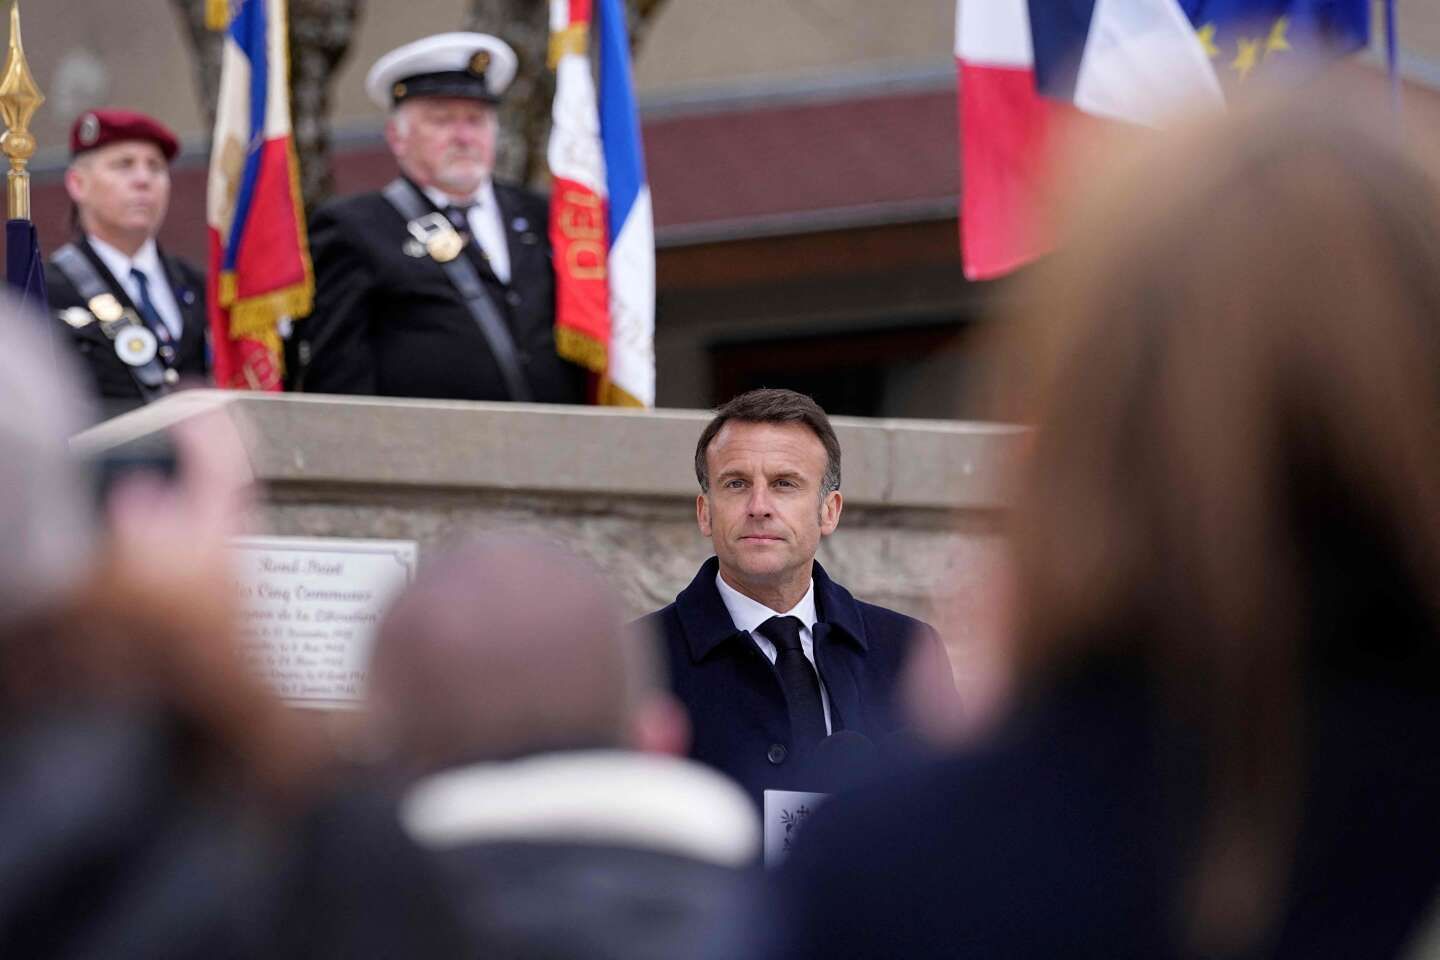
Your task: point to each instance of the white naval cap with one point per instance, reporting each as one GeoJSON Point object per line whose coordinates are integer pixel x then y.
{"type": "Point", "coordinates": [474, 65]}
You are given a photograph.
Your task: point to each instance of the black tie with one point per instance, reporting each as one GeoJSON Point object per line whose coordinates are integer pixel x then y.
{"type": "Point", "coordinates": [797, 678]}
{"type": "Point", "coordinates": [459, 217]}
{"type": "Point", "coordinates": [146, 306]}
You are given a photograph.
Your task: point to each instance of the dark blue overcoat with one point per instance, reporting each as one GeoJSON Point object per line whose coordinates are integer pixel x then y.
{"type": "Point", "coordinates": [733, 695]}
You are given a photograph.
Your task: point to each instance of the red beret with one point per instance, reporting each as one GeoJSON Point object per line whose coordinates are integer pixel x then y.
{"type": "Point", "coordinates": [97, 128]}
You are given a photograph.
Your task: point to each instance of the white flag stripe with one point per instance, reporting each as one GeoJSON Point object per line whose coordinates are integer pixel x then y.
{"type": "Point", "coordinates": [277, 108]}
{"type": "Point", "coordinates": [1143, 63]}
{"type": "Point", "coordinates": [632, 303]}
{"type": "Point", "coordinates": [994, 33]}
{"type": "Point", "coordinates": [574, 152]}
{"type": "Point", "coordinates": [232, 123]}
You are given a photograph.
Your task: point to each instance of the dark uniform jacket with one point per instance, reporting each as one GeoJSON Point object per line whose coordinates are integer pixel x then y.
{"type": "Point", "coordinates": [741, 725]}
{"type": "Point", "coordinates": [392, 324]}
{"type": "Point", "coordinates": [114, 382]}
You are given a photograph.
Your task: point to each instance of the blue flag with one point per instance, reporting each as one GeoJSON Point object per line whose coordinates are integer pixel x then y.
{"type": "Point", "coordinates": [1248, 36]}
{"type": "Point", "coordinates": [24, 267]}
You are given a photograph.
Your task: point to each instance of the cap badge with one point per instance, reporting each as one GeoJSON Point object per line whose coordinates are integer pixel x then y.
{"type": "Point", "coordinates": [480, 62]}
{"type": "Point", "coordinates": [398, 91]}
{"type": "Point", "coordinates": [106, 308]}
{"type": "Point", "coordinates": [89, 133]}
{"type": "Point", "coordinates": [136, 345]}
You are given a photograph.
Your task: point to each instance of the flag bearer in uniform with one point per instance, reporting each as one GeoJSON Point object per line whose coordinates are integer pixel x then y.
{"type": "Point", "coordinates": [134, 314]}
{"type": "Point", "coordinates": [440, 285]}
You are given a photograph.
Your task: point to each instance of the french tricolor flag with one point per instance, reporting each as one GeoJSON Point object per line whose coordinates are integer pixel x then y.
{"type": "Point", "coordinates": [1029, 69]}
{"type": "Point", "coordinates": [601, 227]}
{"type": "Point", "coordinates": [259, 253]}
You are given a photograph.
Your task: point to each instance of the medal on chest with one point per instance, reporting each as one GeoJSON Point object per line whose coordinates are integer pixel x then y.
{"type": "Point", "coordinates": [434, 236]}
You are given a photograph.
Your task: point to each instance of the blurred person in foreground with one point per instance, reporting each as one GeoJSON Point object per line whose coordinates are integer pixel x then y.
{"type": "Point", "coordinates": [544, 764]}
{"type": "Point", "coordinates": [123, 737]}
{"type": "Point", "coordinates": [155, 800]}
{"type": "Point", "coordinates": [1227, 558]}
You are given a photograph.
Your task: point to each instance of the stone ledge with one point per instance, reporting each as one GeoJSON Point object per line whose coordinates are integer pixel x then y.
{"type": "Point", "coordinates": [305, 439]}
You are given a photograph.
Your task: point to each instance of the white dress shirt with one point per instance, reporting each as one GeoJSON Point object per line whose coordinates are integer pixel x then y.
{"type": "Point", "coordinates": [486, 225]}
{"type": "Point", "coordinates": [147, 261]}
{"type": "Point", "coordinates": [748, 614]}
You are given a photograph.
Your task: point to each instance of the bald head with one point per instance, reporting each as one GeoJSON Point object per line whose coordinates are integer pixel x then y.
{"type": "Point", "coordinates": [504, 647]}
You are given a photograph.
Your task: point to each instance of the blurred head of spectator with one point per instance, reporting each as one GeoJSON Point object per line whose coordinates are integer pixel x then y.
{"type": "Point", "coordinates": [544, 762]}
{"type": "Point", "coordinates": [507, 647]}
{"type": "Point", "coordinates": [1233, 486]}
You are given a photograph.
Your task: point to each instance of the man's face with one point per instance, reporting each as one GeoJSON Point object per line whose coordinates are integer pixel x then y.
{"type": "Point", "coordinates": [444, 142]}
{"type": "Point", "coordinates": [764, 513]}
{"type": "Point", "coordinates": [122, 190]}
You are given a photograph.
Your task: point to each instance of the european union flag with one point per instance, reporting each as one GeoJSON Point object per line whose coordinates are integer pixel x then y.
{"type": "Point", "coordinates": [24, 267]}
{"type": "Point", "coordinates": [1245, 37]}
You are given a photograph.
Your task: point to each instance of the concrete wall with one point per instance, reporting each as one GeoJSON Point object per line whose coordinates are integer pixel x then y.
{"type": "Point", "coordinates": [920, 530]}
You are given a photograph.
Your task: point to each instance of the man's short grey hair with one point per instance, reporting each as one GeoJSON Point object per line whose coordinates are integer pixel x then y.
{"type": "Point", "coordinates": [769, 405]}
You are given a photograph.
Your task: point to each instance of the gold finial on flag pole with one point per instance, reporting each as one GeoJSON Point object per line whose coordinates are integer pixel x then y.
{"type": "Point", "coordinates": [19, 99]}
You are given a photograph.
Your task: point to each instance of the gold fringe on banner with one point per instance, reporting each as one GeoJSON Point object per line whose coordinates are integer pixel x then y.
{"type": "Point", "coordinates": [573, 39]}
{"type": "Point", "coordinates": [217, 14]}
{"type": "Point", "coordinates": [254, 317]}
{"type": "Point", "coordinates": [610, 395]}
{"type": "Point", "coordinates": [581, 348]}
{"type": "Point", "coordinates": [226, 289]}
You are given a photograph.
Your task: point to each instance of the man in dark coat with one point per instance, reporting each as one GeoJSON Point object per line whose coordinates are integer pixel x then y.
{"type": "Point", "coordinates": [440, 285]}
{"type": "Point", "coordinates": [134, 314]}
{"type": "Point", "coordinates": [746, 638]}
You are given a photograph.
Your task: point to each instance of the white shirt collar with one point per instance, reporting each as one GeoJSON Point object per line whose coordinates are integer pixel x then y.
{"type": "Point", "coordinates": [747, 614]}
{"type": "Point", "coordinates": [484, 197]}
{"type": "Point", "coordinates": [147, 258]}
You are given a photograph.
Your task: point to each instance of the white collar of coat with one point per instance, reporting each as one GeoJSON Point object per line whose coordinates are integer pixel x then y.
{"type": "Point", "coordinates": [604, 797]}
{"type": "Point", "coordinates": [484, 197]}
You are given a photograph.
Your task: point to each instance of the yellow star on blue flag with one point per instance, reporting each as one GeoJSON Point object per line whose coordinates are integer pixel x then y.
{"type": "Point", "coordinates": [1253, 37]}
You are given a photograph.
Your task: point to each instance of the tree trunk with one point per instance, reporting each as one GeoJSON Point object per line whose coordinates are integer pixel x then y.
{"type": "Point", "coordinates": [205, 47]}
{"type": "Point", "coordinates": [320, 33]}
{"type": "Point", "coordinates": [525, 112]}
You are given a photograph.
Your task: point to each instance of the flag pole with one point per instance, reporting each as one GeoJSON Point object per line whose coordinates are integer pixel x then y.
{"type": "Point", "coordinates": [1392, 59]}
{"type": "Point", "coordinates": [20, 97]}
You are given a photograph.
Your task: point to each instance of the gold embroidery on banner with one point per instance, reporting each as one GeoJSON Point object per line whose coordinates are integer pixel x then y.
{"type": "Point", "coordinates": [573, 40]}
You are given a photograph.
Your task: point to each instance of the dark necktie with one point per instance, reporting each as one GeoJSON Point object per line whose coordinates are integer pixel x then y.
{"type": "Point", "coordinates": [459, 218]}
{"type": "Point", "coordinates": [798, 680]}
{"type": "Point", "coordinates": [146, 306]}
